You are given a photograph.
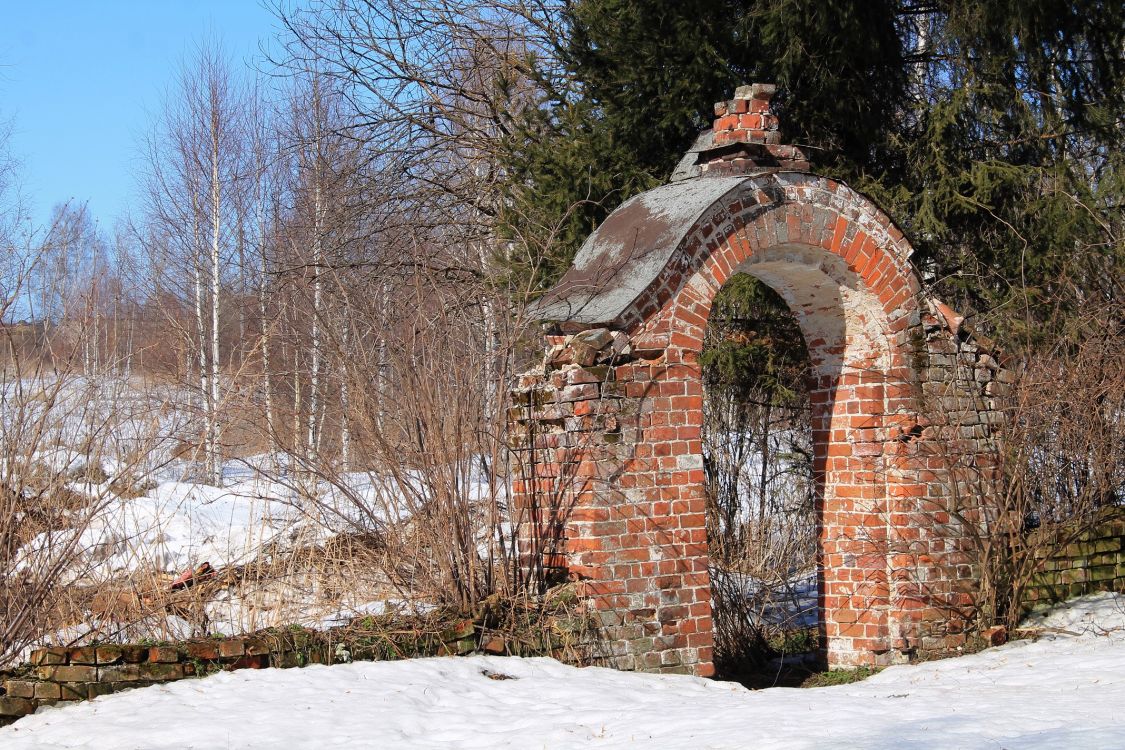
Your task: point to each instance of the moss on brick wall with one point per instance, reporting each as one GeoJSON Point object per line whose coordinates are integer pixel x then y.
{"type": "Point", "coordinates": [554, 626]}
{"type": "Point", "coordinates": [1094, 561]}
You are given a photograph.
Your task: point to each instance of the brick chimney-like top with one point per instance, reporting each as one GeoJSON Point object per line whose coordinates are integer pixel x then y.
{"type": "Point", "coordinates": [746, 137]}
{"type": "Point", "coordinates": [746, 118]}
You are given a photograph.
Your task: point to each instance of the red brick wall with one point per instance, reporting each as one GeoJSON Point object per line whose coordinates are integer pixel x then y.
{"type": "Point", "coordinates": [900, 397]}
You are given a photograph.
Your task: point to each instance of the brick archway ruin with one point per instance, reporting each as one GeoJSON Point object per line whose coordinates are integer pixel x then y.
{"type": "Point", "coordinates": [611, 452]}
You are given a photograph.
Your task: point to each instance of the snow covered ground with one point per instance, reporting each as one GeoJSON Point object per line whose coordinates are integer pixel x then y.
{"type": "Point", "coordinates": [122, 458]}
{"type": "Point", "coordinates": [1065, 690]}
{"type": "Point", "coordinates": [176, 525]}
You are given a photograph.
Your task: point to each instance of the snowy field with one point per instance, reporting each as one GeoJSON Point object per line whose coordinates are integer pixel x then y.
{"type": "Point", "coordinates": [1064, 690]}
{"type": "Point", "coordinates": [176, 524]}
{"type": "Point", "coordinates": [127, 448]}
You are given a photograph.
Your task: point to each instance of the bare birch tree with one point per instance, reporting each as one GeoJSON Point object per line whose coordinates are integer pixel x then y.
{"type": "Point", "coordinates": [196, 171]}
{"type": "Point", "coordinates": [265, 163]}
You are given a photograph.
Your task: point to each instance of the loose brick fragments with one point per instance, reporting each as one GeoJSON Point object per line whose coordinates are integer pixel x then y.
{"type": "Point", "coordinates": [905, 397]}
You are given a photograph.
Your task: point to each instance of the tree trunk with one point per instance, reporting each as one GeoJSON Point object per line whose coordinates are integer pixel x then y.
{"type": "Point", "coordinates": [215, 459]}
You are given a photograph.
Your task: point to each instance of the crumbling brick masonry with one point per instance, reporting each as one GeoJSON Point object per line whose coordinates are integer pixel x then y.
{"type": "Point", "coordinates": [609, 428]}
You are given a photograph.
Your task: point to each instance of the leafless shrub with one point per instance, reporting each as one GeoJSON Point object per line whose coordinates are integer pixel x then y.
{"type": "Point", "coordinates": [762, 536]}
{"type": "Point", "coordinates": [425, 409]}
{"type": "Point", "coordinates": [761, 518]}
{"type": "Point", "coordinates": [1059, 461]}
{"type": "Point", "coordinates": [61, 434]}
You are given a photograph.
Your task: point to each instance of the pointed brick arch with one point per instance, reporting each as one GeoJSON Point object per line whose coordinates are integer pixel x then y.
{"type": "Point", "coordinates": [612, 449]}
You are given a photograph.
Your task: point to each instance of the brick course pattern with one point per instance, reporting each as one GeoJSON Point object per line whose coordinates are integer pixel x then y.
{"type": "Point", "coordinates": [60, 674]}
{"type": "Point", "coordinates": [1092, 561]}
{"type": "Point", "coordinates": [905, 400]}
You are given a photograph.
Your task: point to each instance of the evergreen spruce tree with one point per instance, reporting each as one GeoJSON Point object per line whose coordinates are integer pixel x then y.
{"type": "Point", "coordinates": [641, 78]}
{"type": "Point", "coordinates": [1013, 188]}
{"type": "Point", "coordinates": [991, 132]}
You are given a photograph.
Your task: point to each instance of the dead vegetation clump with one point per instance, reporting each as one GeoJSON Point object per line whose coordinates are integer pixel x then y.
{"type": "Point", "coordinates": [1057, 468]}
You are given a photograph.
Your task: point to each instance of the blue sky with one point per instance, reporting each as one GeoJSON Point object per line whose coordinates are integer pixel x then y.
{"type": "Point", "coordinates": [82, 82]}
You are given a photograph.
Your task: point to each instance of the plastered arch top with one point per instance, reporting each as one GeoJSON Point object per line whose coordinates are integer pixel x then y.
{"type": "Point", "coordinates": [644, 252]}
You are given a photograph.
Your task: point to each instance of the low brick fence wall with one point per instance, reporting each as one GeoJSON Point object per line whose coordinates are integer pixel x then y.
{"type": "Point", "coordinates": [69, 674]}
{"type": "Point", "coordinates": [1095, 561]}
{"type": "Point", "coordinates": [72, 674]}
{"type": "Point", "coordinates": [56, 675]}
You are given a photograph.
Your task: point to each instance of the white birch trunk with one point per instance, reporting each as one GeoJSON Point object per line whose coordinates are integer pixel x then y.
{"type": "Point", "coordinates": [382, 375]}
{"type": "Point", "coordinates": [264, 332]}
{"type": "Point", "coordinates": [296, 399]}
{"type": "Point", "coordinates": [313, 436]}
{"type": "Point", "coordinates": [200, 327]}
{"type": "Point", "coordinates": [216, 227]}
{"type": "Point", "coordinates": [345, 400]}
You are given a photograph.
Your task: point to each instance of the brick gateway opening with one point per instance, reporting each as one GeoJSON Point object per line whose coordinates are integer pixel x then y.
{"type": "Point", "coordinates": [609, 430]}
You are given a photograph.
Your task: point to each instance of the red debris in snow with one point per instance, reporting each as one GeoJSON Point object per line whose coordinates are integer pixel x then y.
{"type": "Point", "coordinates": [190, 577]}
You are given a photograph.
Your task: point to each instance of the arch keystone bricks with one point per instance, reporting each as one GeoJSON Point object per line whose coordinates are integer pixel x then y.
{"type": "Point", "coordinates": [610, 473]}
